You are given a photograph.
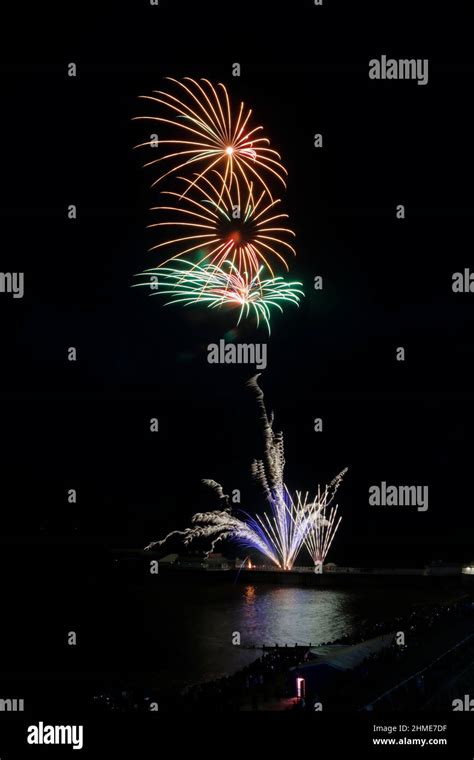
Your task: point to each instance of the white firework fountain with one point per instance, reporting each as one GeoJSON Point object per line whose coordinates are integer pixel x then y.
{"type": "Point", "coordinates": [281, 533]}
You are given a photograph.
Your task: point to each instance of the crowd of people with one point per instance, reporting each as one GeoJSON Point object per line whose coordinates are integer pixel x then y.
{"type": "Point", "coordinates": [407, 674]}
{"type": "Point", "coordinates": [249, 688]}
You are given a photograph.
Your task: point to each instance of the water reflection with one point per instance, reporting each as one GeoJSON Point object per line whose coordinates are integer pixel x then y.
{"type": "Point", "coordinates": [250, 594]}
{"type": "Point", "coordinates": [292, 615]}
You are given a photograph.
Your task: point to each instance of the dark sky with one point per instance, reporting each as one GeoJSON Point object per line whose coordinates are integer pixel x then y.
{"type": "Point", "coordinates": [387, 283]}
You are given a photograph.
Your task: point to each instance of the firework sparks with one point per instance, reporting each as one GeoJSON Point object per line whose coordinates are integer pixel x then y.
{"type": "Point", "coordinates": [294, 520]}
{"type": "Point", "coordinates": [216, 287]}
{"type": "Point", "coordinates": [321, 534]}
{"type": "Point", "coordinates": [320, 537]}
{"type": "Point", "coordinates": [228, 224]}
{"type": "Point", "coordinates": [213, 134]}
{"type": "Point", "coordinates": [286, 528]}
{"type": "Point", "coordinates": [279, 541]}
{"type": "Point", "coordinates": [224, 216]}
{"type": "Point", "coordinates": [280, 534]}
{"type": "Point", "coordinates": [221, 525]}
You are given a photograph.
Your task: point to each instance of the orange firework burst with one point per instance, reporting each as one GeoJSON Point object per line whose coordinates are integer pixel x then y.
{"type": "Point", "coordinates": [214, 135]}
{"type": "Point", "coordinates": [225, 222]}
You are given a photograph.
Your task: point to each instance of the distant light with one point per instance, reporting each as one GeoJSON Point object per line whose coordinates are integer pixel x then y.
{"type": "Point", "coordinates": [300, 688]}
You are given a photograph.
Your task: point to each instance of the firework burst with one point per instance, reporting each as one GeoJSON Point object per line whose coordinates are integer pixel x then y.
{"type": "Point", "coordinates": [230, 225]}
{"type": "Point", "coordinates": [213, 133]}
{"type": "Point", "coordinates": [279, 534]}
{"type": "Point", "coordinates": [225, 217]}
{"type": "Point", "coordinates": [217, 287]}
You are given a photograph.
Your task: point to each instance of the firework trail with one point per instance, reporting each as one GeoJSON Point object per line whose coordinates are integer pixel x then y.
{"type": "Point", "coordinates": [215, 287]}
{"type": "Point", "coordinates": [279, 534]}
{"type": "Point", "coordinates": [212, 134]}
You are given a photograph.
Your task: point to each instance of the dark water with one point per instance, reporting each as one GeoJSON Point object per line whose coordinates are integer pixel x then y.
{"type": "Point", "coordinates": [192, 624]}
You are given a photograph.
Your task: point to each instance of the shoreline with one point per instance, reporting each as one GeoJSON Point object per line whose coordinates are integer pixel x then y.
{"type": "Point", "coordinates": [268, 681]}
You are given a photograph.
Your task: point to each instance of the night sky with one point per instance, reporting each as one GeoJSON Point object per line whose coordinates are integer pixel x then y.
{"type": "Point", "coordinates": [387, 283]}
